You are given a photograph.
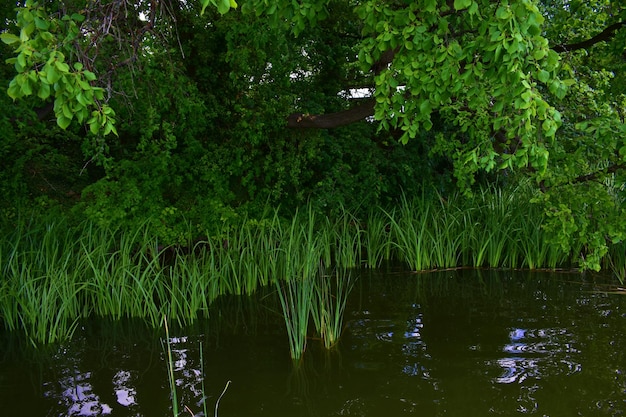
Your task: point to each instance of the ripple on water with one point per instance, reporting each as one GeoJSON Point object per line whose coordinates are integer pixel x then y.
{"type": "Point", "coordinates": [533, 352]}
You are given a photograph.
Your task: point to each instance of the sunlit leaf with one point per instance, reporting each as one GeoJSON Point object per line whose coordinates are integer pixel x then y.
{"type": "Point", "coordinates": [9, 38]}
{"type": "Point", "coordinates": [63, 122]}
{"type": "Point", "coordinates": [90, 76]}
{"type": "Point", "coordinates": [462, 4]}
{"type": "Point", "coordinates": [44, 91]}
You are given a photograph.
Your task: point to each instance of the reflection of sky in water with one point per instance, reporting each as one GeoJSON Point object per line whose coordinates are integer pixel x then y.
{"type": "Point", "coordinates": [417, 359]}
{"type": "Point", "coordinates": [125, 394]}
{"type": "Point", "coordinates": [74, 389]}
{"type": "Point", "coordinates": [414, 348]}
{"type": "Point", "coordinates": [188, 378]}
{"type": "Point", "coordinates": [531, 351]}
{"type": "Point", "coordinates": [77, 394]}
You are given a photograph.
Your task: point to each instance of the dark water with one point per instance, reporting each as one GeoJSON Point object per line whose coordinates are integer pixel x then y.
{"type": "Point", "coordinates": [464, 343]}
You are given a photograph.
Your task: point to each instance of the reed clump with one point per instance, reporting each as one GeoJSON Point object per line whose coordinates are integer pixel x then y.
{"type": "Point", "coordinates": [56, 273]}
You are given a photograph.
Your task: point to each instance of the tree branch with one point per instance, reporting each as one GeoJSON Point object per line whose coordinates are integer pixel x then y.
{"type": "Point", "coordinates": [344, 117]}
{"type": "Point", "coordinates": [605, 35]}
{"type": "Point", "coordinates": [594, 175]}
{"type": "Point", "coordinates": [332, 120]}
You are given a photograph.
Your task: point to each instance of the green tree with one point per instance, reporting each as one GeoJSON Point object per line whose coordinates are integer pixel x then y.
{"type": "Point", "coordinates": [524, 88]}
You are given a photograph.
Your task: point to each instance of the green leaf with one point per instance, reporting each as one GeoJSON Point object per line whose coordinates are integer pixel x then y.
{"type": "Point", "coordinates": [223, 6]}
{"type": "Point", "coordinates": [430, 5]}
{"type": "Point", "coordinates": [539, 53]}
{"type": "Point", "coordinates": [543, 76]}
{"type": "Point", "coordinates": [553, 59]}
{"type": "Point", "coordinates": [63, 122]}
{"type": "Point", "coordinates": [462, 4]}
{"type": "Point", "coordinates": [27, 31]}
{"type": "Point", "coordinates": [42, 24]}
{"type": "Point", "coordinates": [21, 61]}
{"type": "Point", "coordinates": [26, 88]}
{"type": "Point", "coordinates": [503, 12]}
{"type": "Point", "coordinates": [14, 90]}
{"type": "Point", "coordinates": [78, 17]}
{"type": "Point", "coordinates": [99, 93]}
{"type": "Point", "coordinates": [46, 36]}
{"type": "Point", "coordinates": [93, 125]}
{"type": "Point", "coordinates": [52, 75]}
{"type": "Point", "coordinates": [90, 76]}
{"type": "Point", "coordinates": [108, 128]}
{"type": "Point", "coordinates": [67, 112]}
{"type": "Point", "coordinates": [62, 66]}
{"type": "Point", "coordinates": [82, 100]}
{"type": "Point", "coordinates": [44, 91]}
{"type": "Point", "coordinates": [9, 38]}
{"type": "Point", "coordinates": [84, 85]}
{"type": "Point", "coordinates": [205, 4]}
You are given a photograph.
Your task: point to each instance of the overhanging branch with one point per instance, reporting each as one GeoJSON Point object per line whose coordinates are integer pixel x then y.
{"type": "Point", "coordinates": [605, 35]}
{"type": "Point", "coordinates": [332, 120]}
{"type": "Point", "coordinates": [344, 117]}
{"type": "Point", "coordinates": [611, 169]}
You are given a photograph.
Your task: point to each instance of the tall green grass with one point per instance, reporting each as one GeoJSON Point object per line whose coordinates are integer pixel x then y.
{"type": "Point", "coordinates": [492, 228]}
{"type": "Point", "coordinates": [329, 303]}
{"type": "Point", "coordinates": [300, 255]}
{"type": "Point", "coordinates": [56, 273]}
{"type": "Point", "coordinates": [377, 243]}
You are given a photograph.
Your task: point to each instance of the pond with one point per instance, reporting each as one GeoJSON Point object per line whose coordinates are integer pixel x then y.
{"type": "Point", "coordinates": [456, 343]}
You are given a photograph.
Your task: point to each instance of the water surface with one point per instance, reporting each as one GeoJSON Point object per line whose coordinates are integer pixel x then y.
{"type": "Point", "coordinates": [458, 343]}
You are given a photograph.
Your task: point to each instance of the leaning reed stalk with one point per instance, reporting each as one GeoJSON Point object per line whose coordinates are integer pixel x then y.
{"type": "Point", "coordinates": [44, 284]}
{"type": "Point", "coordinates": [531, 244]}
{"type": "Point", "coordinates": [170, 369]}
{"type": "Point", "coordinates": [123, 271]}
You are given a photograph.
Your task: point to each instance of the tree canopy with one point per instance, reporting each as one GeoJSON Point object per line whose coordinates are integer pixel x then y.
{"type": "Point", "coordinates": [233, 102]}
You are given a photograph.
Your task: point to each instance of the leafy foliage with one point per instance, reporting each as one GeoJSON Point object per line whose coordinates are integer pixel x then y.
{"type": "Point", "coordinates": [465, 91]}
{"type": "Point", "coordinates": [41, 49]}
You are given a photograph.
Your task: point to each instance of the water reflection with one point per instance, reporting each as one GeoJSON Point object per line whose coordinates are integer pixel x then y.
{"type": "Point", "coordinates": [124, 391]}
{"type": "Point", "coordinates": [533, 351]}
{"type": "Point", "coordinates": [454, 344]}
{"type": "Point", "coordinates": [78, 396]}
